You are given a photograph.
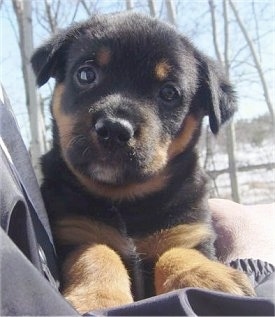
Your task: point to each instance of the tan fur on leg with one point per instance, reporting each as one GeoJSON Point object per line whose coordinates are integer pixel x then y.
{"type": "Point", "coordinates": [95, 277]}
{"type": "Point", "coordinates": [178, 268]}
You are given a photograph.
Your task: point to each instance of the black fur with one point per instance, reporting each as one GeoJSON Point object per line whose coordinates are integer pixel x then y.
{"type": "Point", "coordinates": [127, 89]}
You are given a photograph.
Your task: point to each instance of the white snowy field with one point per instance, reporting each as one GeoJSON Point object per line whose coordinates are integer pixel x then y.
{"type": "Point", "coordinates": [256, 186]}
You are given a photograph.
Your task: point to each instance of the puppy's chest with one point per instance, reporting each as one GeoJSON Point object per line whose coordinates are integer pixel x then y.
{"type": "Point", "coordinates": [77, 230]}
{"type": "Point", "coordinates": [139, 251]}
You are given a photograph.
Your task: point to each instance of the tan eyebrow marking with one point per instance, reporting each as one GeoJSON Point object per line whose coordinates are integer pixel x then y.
{"type": "Point", "coordinates": [162, 70]}
{"type": "Point", "coordinates": [103, 56]}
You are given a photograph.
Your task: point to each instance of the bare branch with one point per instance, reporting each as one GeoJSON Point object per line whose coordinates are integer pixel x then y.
{"type": "Point", "coordinates": [41, 20]}
{"type": "Point", "coordinates": [230, 129]}
{"type": "Point", "coordinates": [255, 58]}
{"type": "Point", "coordinates": [57, 10]}
{"type": "Point", "coordinates": [256, 27]}
{"type": "Point", "coordinates": [226, 38]}
{"type": "Point", "coordinates": [237, 53]}
{"type": "Point", "coordinates": [214, 30]}
{"type": "Point", "coordinates": [50, 18]}
{"type": "Point", "coordinates": [152, 7]}
{"type": "Point", "coordinates": [11, 21]}
{"type": "Point", "coordinates": [84, 4]}
{"type": "Point", "coordinates": [76, 9]}
{"type": "Point", "coordinates": [129, 5]}
{"type": "Point", "coordinates": [91, 9]}
{"type": "Point", "coordinates": [23, 12]}
{"type": "Point", "coordinates": [215, 173]}
{"type": "Point", "coordinates": [171, 12]}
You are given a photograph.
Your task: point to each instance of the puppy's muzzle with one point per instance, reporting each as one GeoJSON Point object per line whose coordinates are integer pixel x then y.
{"type": "Point", "coordinates": [115, 130]}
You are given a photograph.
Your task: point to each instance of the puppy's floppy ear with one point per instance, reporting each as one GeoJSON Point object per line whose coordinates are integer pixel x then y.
{"type": "Point", "coordinates": [49, 59]}
{"type": "Point", "coordinates": [216, 94]}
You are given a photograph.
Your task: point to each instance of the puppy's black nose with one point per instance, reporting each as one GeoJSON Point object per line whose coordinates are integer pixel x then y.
{"type": "Point", "coordinates": [118, 130]}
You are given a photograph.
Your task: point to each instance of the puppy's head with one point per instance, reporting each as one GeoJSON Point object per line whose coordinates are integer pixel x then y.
{"type": "Point", "coordinates": [130, 96]}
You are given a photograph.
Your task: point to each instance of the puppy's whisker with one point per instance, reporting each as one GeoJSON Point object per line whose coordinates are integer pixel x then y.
{"type": "Point", "coordinates": [85, 151]}
{"type": "Point", "coordinates": [77, 138]}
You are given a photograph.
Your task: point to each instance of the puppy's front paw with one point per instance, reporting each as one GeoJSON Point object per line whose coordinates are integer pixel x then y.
{"type": "Point", "coordinates": [86, 300]}
{"type": "Point", "coordinates": [94, 277]}
{"type": "Point", "coordinates": [179, 268]}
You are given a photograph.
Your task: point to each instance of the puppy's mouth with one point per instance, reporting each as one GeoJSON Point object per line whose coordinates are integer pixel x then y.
{"type": "Point", "coordinates": [109, 164]}
{"type": "Point", "coordinates": [105, 174]}
{"type": "Point", "coordinates": [115, 150]}
{"type": "Point", "coordinates": [113, 164]}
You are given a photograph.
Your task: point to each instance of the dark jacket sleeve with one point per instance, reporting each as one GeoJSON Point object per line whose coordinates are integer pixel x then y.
{"type": "Point", "coordinates": [261, 274]}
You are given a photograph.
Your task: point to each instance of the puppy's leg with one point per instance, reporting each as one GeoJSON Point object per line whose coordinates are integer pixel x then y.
{"type": "Point", "coordinates": [94, 277]}
{"type": "Point", "coordinates": [179, 268]}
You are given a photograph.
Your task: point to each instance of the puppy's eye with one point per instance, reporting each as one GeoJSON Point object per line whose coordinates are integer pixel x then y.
{"type": "Point", "coordinates": [86, 75]}
{"type": "Point", "coordinates": [169, 93]}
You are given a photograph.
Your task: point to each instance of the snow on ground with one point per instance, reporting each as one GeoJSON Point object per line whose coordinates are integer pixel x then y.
{"type": "Point", "coordinates": [256, 186]}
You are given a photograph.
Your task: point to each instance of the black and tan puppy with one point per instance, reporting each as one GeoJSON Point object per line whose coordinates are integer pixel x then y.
{"type": "Point", "coordinates": [126, 197]}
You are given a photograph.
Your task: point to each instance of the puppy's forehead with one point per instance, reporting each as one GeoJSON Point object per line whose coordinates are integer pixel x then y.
{"type": "Point", "coordinates": [133, 39]}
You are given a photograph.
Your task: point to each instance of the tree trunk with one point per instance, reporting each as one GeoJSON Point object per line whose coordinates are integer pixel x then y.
{"type": "Point", "coordinates": [23, 11]}
{"type": "Point", "coordinates": [171, 13]}
{"type": "Point", "coordinates": [230, 132]}
{"type": "Point", "coordinates": [152, 7]}
{"type": "Point", "coordinates": [230, 129]}
{"type": "Point", "coordinates": [129, 5]}
{"type": "Point", "coordinates": [230, 144]}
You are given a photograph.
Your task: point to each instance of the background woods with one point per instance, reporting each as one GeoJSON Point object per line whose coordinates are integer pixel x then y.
{"type": "Point", "coordinates": [239, 34]}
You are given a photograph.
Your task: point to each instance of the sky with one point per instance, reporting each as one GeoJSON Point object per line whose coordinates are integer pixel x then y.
{"type": "Point", "coordinates": [193, 20]}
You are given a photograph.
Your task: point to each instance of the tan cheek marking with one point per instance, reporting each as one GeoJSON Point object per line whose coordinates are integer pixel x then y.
{"type": "Point", "coordinates": [184, 236]}
{"type": "Point", "coordinates": [162, 70]}
{"type": "Point", "coordinates": [65, 123]}
{"type": "Point", "coordinates": [159, 160]}
{"type": "Point", "coordinates": [159, 146]}
{"type": "Point", "coordinates": [179, 144]}
{"type": "Point", "coordinates": [78, 230]}
{"type": "Point", "coordinates": [103, 56]}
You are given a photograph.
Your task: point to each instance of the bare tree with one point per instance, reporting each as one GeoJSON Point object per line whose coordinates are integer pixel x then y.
{"type": "Point", "coordinates": [230, 131]}
{"type": "Point", "coordinates": [255, 59]}
{"type": "Point", "coordinates": [240, 61]}
{"type": "Point", "coordinates": [152, 8]}
{"type": "Point", "coordinates": [23, 11]}
{"type": "Point", "coordinates": [85, 6]}
{"type": "Point", "coordinates": [51, 19]}
{"type": "Point", "coordinates": [129, 5]}
{"type": "Point", "coordinates": [171, 13]}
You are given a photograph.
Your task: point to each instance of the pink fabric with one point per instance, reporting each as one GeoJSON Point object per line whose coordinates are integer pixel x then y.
{"type": "Point", "coordinates": [244, 231]}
